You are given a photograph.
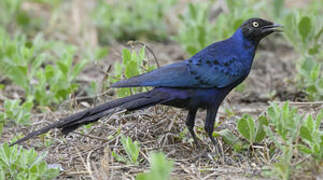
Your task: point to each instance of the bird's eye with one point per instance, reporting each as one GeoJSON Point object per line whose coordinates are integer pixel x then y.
{"type": "Point", "coordinates": [255, 24]}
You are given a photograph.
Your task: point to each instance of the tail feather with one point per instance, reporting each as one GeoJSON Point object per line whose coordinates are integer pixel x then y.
{"type": "Point", "coordinates": [70, 123]}
{"type": "Point", "coordinates": [67, 128]}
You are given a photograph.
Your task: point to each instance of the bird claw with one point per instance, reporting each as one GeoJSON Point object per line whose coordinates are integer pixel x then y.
{"type": "Point", "coordinates": [217, 146]}
{"type": "Point", "coordinates": [196, 143]}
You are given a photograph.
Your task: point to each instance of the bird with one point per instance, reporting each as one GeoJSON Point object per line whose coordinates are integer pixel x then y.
{"type": "Point", "coordinates": [199, 82]}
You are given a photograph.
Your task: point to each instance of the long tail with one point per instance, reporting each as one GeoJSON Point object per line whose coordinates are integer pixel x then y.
{"type": "Point", "coordinates": [130, 103]}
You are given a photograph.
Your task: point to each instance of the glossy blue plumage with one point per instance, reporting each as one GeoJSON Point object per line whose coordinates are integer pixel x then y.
{"type": "Point", "coordinates": [216, 66]}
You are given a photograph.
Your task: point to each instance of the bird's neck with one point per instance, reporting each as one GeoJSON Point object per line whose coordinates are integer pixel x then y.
{"type": "Point", "coordinates": [245, 47]}
{"type": "Point", "coordinates": [239, 38]}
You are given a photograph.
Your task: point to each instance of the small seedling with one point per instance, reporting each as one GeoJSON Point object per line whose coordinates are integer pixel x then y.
{"type": "Point", "coordinates": [15, 112]}
{"type": "Point", "coordinates": [231, 139]}
{"type": "Point", "coordinates": [132, 150]}
{"type": "Point", "coordinates": [160, 168]}
{"type": "Point", "coordinates": [312, 136]}
{"type": "Point", "coordinates": [251, 130]}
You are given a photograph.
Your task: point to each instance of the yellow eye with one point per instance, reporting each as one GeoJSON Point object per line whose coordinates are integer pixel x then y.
{"type": "Point", "coordinates": [255, 24]}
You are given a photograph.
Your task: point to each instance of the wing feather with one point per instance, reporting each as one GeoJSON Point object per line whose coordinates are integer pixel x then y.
{"type": "Point", "coordinates": [173, 75]}
{"type": "Point", "coordinates": [214, 66]}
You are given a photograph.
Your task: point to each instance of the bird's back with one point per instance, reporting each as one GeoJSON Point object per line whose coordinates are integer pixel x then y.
{"type": "Point", "coordinates": [216, 66]}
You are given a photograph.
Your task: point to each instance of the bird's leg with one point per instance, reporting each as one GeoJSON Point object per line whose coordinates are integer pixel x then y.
{"type": "Point", "coordinates": [209, 126]}
{"type": "Point", "coordinates": [190, 121]}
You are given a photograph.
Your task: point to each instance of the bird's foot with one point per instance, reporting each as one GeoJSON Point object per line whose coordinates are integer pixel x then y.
{"type": "Point", "coordinates": [218, 148]}
{"type": "Point", "coordinates": [196, 142]}
{"type": "Point", "coordinates": [216, 145]}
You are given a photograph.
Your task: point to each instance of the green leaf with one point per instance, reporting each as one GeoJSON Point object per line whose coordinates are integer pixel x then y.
{"type": "Point", "coordinates": [19, 75]}
{"type": "Point", "coordinates": [314, 50]}
{"type": "Point", "coordinates": [118, 157]}
{"type": "Point", "coordinates": [131, 69]}
{"type": "Point", "coordinates": [191, 49]}
{"type": "Point", "coordinates": [304, 149]}
{"type": "Point", "coordinates": [142, 55]}
{"type": "Point", "coordinates": [315, 72]}
{"type": "Point", "coordinates": [201, 36]}
{"type": "Point", "coordinates": [306, 134]}
{"type": "Point", "coordinates": [228, 136]}
{"type": "Point", "coordinates": [126, 56]}
{"type": "Point", "coordinates": [78, 68]}
{"type": "Point", "coordinates": [49, 72]}
{"type": "Point", "coordinates": [260, 132]}
{"type": "Point", "coordinates": [132, 149]}
{"type": "Point", "coordinates": [160, 168]}
{"type": "Point", "coordinates": [51, 173]}
{"type": "Point", "coordinates": [305, 27]}
{"type": "Point", "coordinates": [63, 67]}
{"type": "Point", "coordinates": [317, 149]}
{"type": "Point", "coordinates": [246, 127]}
{"type": "Point", "coordinates": [309, 122]}
{"type": "Point", "coordinates": [192, 11]}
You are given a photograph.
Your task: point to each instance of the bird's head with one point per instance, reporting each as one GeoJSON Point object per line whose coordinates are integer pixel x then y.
{"type": "Point", "coordinates": [256, 28]}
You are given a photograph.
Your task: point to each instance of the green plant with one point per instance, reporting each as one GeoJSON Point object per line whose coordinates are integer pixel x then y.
{"type": "Point", "coordinates": [133, 63]}
{"type": "Point", "coordinates": [283, 130]}
{"type": "Point", "coordinates": [16, 112]}
{"type": "Point", "coordinates": [305, 34]}
{"type": "Point", "coordinates": [312, 136]}
{"type": "Point", "coordinates": [18, 163]}
{"type": "Point", "coordinates": [232, 140]}
{"type": "Point", "coordinates": [253, 132]}
{"type": "Point", "coordinates": [130, 20]}
{"type": "Point", "coordinates": [310, 75]}
{"type": "Point", "coordinates": [33, 66]}
{"type": "Point", "coordinates": [160, 168]}
{"type": "Point", "coordinates": [132, 150]}
{"type": "Point", "coordinates": [55, 82]}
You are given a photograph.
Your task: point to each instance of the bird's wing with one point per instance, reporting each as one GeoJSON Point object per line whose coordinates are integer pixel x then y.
{"type": "Point", "coordinates": [212, 71]}
{"type": "Point", "coordinates": [203, 72]}
{"type": "Point", "coordinates": [173, 75]}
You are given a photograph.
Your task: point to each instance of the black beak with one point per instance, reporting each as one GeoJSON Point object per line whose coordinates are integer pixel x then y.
{"type": "Point", "coordinates": [272, 28]}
